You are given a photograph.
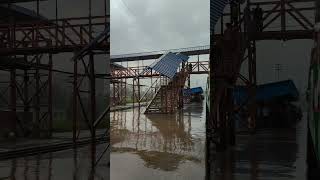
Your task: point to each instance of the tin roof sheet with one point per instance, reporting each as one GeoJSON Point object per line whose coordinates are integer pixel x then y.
{"type": "Point", "coordinates": [167, 64]}
{"type": "Point", "coordinates": [216, 11]}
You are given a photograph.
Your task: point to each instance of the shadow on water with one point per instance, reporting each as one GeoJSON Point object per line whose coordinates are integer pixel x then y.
{"type": "Point", "coordinates": [75, 164]}
{"type": "Point", "coordinates": [158, 146]}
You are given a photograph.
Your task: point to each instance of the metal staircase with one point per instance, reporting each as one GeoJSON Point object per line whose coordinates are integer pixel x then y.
{"type": "Point", "coordinates": [169, 97]}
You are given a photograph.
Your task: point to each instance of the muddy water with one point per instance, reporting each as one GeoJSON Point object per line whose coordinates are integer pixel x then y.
{"type": "Point", "coordinates": [171, 147]}
{"type": "Point", "coordinates": [62, 165]}
{"type": "Point", "coordinates": [158, 147]}
{"type": "Point", "coordinates": [270, 154]}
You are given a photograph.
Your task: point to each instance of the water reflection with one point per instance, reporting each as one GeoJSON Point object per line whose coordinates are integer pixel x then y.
{"type": "Point", "coordinates": [69, 164]}
{"type": "Point", "coordinates": [273, 154]}
{"type": "Point", "coordinates": [170, 146]}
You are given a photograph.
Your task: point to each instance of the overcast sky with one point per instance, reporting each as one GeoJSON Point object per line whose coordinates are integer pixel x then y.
{"type": "Point", "coordinates": [147, 25]}
{"type": "Point", "coordinates": [151, 25]}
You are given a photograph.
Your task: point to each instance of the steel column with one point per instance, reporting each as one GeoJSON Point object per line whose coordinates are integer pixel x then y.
{"type": "Point", "coordinates": [26, 104]}
{"type": "Point", "coordinates": [92, 106]}
{"type": "Point", "coordinates": [37, 100]}
{"type": "Point", "coordinates": [13, 98]}
{"type": "Point", "coordinates": [75, 102]}
{"type": "Point", "coordinates": [317, 11]}
{"type": "Point", "coordinates": [50, 107]}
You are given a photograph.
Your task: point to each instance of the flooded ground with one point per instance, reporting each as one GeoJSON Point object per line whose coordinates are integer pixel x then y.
{"type": "Point", "coordinates": [165, 147]}
{"type": "Point", "coordinates": [171, 147]}
{"type": "Point", "coordinates": [158, 147]}
{"type": "Point", "coordinates": [62, 165]}
{"type": "Point", "coordinates": [270, 154]}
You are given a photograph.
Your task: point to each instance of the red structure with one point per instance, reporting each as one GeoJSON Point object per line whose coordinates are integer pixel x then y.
{"type": "Point", "coordinates": [27, 50]}
{"type": "Point", "coordinates": [122, 75]}
{"type": "Point", "coordinates": [281, 20]}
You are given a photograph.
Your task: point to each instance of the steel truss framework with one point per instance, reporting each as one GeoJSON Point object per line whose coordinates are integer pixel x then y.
{"type": "Point", "coordinates": [120, 78]}
{"type": "Point", "coordinates": [282, 20]}
{"type": "Point", "coordinates": [119, 91]}
{"type": "Point", "coordinates": [29, 89]}
{"type": "Point", "coordinates": [134, 73]}
{"type": "Point", "coordinates": [168, 96]}
{"type": "Point", "coordinates": [199, 67]}
{"type": "Point", "coordinates": [56, 36]}
{"type": "Point", "coordinates": [28, 49]}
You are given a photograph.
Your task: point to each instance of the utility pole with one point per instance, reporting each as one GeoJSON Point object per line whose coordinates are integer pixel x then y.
{"type": "Point", "coordinates": [277, 69]}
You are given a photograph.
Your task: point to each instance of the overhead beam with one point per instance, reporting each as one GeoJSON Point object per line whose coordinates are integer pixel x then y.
{"type": "Point", "coordinates": [158, 55]}
{"type": "Point", "coordinates": [50, 50]}
{"type": "Point", "coordinates": [268, 35]}
{"type": "Point", "coordinates": [278, 35]}
{"type": "Point", "coordinates": [17, 1]}
{"type": "Point", "coordinates": [277, 1]}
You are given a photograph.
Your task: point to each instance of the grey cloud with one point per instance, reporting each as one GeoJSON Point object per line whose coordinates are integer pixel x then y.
{"type": "Point", "coordinates": [147, 25]}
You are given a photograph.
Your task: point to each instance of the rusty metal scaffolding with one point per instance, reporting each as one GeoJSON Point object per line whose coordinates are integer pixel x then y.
{"type": "Point", "coordinates": [118, 85]}
{"type": "Point", "coordinates": [27, 50]}
{"type": "Point", "coordinates": [198, 67]}
{"type": "Point", "coordinates": [168, 97]}
{"type": "Point", "coordinates": [28, 88]}
{"type": "Point", "coordinates": [281, 20]}
{"type": "Point", "coordinates": [122, 75]}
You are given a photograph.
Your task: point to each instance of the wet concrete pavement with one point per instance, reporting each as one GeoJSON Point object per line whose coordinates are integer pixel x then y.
{"type": "Point", "coordinates": [61, 165]}
{"type": "Point", "coordinates": [270, 154]}
{"type": "Point", "coordinates": [158, 147]}
{"type": "Point", "coordinates": [170, 147]}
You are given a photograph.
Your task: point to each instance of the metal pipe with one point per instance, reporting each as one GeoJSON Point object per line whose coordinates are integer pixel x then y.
{"type": "Point", "coordinates": [283, 15]}
{"type": "Point", "coordinates": [37, 100]}
{"type": "Point", "coordinates": [90, 20]}
{"type": "Point", "coordinates": [92, 108]}
{"type": "Point", "coordinates": [75, 102]}
{"type": "Point", "coordinates": [13, 97]}
{"type": "Point", "coordinates": [317, 11]}
{"type": "Point", "coordinates": [50, 96]}
{"type": "Point", "coordinates": [26, 92]}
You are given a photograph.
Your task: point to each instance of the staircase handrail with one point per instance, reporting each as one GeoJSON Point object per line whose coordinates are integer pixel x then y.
{"type": "Point", "coordinates": [156, 86]}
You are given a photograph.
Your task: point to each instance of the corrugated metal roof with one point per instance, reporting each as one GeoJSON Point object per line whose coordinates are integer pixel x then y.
{"type": "Point", "coordinates": [216, 11]}
{"type": "Point", "coordinates": [266, 92]}
{"type": "Point", "coordinates": [116, 66]}
{"type": "Point", "coordinates": [167, 64]}
{"type": "Point", "coordinates": [161, 52]}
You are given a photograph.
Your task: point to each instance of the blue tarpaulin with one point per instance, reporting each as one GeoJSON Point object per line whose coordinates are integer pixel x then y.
{"type": "Point", "coordinates": [167, 64]}
{"type": "Point", "coordinates": [268, 92]}
{"type": "Point", "coordinates": [192, 91]}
